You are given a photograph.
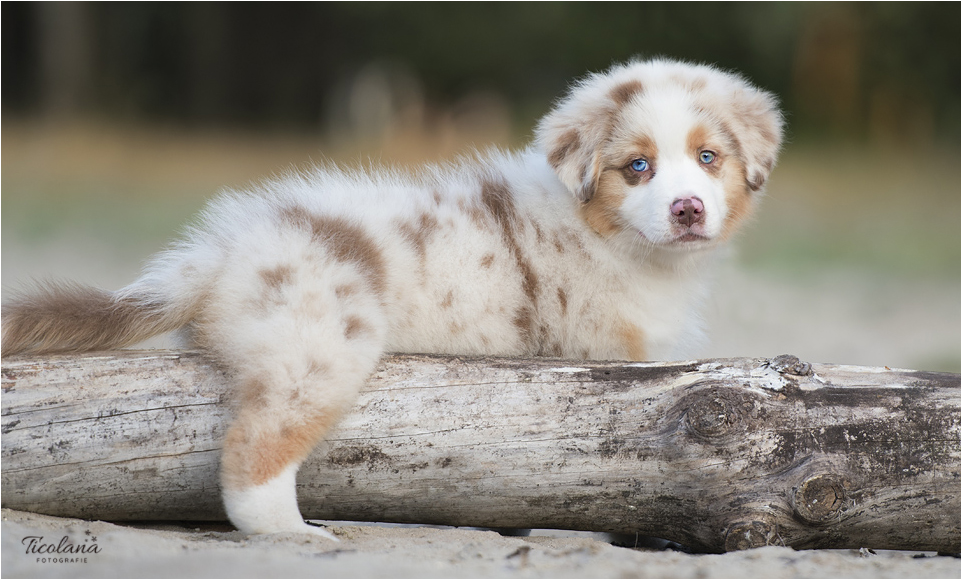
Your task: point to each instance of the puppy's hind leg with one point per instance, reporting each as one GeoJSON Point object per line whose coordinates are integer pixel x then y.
{"type": "Point", "coordinates": [299, 361]}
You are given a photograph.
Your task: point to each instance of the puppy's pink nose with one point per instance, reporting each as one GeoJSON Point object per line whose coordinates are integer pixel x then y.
{"type": "Point", "coordinates": [688, 210]}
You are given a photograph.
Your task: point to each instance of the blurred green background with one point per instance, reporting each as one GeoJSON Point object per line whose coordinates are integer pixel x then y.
{"type": "Point", "coordinates": [120, 119]}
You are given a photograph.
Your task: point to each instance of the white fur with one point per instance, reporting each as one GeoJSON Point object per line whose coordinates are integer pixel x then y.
{"type": "Point", "coordinates": [270, 507]}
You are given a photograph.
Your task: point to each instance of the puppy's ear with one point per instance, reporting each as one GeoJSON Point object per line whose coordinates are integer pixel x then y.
{"type": "Point", "coordinates": [571, 136]}
{"type": "Point", "coordinates": [756, 125]}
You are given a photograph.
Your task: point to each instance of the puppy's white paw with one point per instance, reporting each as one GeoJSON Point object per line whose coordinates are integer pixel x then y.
{"type": "Point", "coordinates": [270, 508]}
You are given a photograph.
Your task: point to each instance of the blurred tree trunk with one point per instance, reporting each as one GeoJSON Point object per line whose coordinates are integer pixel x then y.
{"type": "Point", "coordinates": [66, 57]}
{"type": "Point", "coordinates": [209, 66]}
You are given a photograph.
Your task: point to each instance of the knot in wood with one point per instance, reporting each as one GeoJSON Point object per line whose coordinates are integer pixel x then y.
{"type": "Point", "coordinates": [713, 414]}
{"type": "Point", "coordinates": [790, 364]}
{"type": "Point", "coordinates": [747, 535]}
{"type": "Point", "coordinates": [819, 499]}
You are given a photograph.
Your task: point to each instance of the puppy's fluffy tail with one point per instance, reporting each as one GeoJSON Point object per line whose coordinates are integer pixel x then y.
{"type": "Point", "coordinates": [75, 318]}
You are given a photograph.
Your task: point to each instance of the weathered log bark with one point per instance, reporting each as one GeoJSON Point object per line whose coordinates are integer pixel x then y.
{"type": "Point", "coordinates": [716, 454]}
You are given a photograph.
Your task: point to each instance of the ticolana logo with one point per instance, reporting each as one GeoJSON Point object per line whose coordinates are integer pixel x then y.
{"type": "Point", "coordinates": [61, 551]}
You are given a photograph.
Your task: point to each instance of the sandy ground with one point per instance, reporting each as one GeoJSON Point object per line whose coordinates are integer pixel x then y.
{"type": "Point", "coordinates": [409, 552]}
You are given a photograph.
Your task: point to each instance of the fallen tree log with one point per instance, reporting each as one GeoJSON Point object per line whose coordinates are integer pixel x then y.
{"type": "Point", "coordinates": [716, 454]}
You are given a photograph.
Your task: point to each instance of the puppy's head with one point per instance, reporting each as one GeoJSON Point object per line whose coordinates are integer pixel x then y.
{"type": "Point", "coordinates": [671, 153]}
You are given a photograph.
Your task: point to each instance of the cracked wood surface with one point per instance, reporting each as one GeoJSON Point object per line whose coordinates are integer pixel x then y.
{"type": "Point", "coordinates": [714, 454]}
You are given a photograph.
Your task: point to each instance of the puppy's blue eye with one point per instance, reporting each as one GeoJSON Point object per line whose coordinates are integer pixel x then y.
{"type": "Point", "coordinates": [639, 165]}
{"type": "Point", "coordinates": [706, 157]}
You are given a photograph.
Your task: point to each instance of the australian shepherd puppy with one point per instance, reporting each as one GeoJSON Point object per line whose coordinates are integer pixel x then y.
{"type": "Point", "coordinates": [593, 243]}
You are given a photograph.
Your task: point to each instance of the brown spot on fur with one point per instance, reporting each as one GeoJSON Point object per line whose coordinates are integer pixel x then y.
{"type": "Point", "coordinates": [427, 223]}
{"type": "Point", "coordinates": [448, 299]}
{"type": "Point", "coordinates": [633, 341]}
{"type": "Point", "coordinates": [276, 277]}
{"type": "Point", "coordinates": [624, 92]}
{"type": "Point", "coordinates": [563, 301]}
{"type": "Point", "coordinates": [496, 198]}
{"type": "Point", "coordinates": [354, 327]}
{"type": "Point", "coordinates": [417, 234]}
{"type": "Point", "coordinates": [318, 368]}
{"type": "Point", "coordinates": [538, 233]}
{"type": "Point", "coordinates": [567, 239]}
{"type": "Point", "coordinates": [487, 260]}
{"type": "Point", "coordinates": [601, 211]}
{"type": "Point", "coordinates": [274, 280]}
{"type": "Point", "coordinates": [558, 245]}
{"type": "Point", "coordinates": [254, 453]}
{"type": "Point", "coordinates": [697, 139]}
{"type": "Point", "coordinates": [568, 142]}
{"type": "Point", "coordinates": [544, 348]}
{"type": "Point", "coordinates": [345, 241]}
{"type": "Point", "coordinates": [523, 320]}
{"type": "Point", "coordinates": [254, 393]}
{"type": "Point", "coordinates": [740, 201]}
{"type": "Point", "coordinates": [529, 282]}
{"type": "Point", "coordinates": [474, 212]}
{"type": "Point", "coordinates": [345, 290]}
{"type": "Point", "coordinates": [497, 201]}
{"type": "Point", "coordinates": [551, 349]}
{"type": "Point", "coordinates": [414, 237]}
